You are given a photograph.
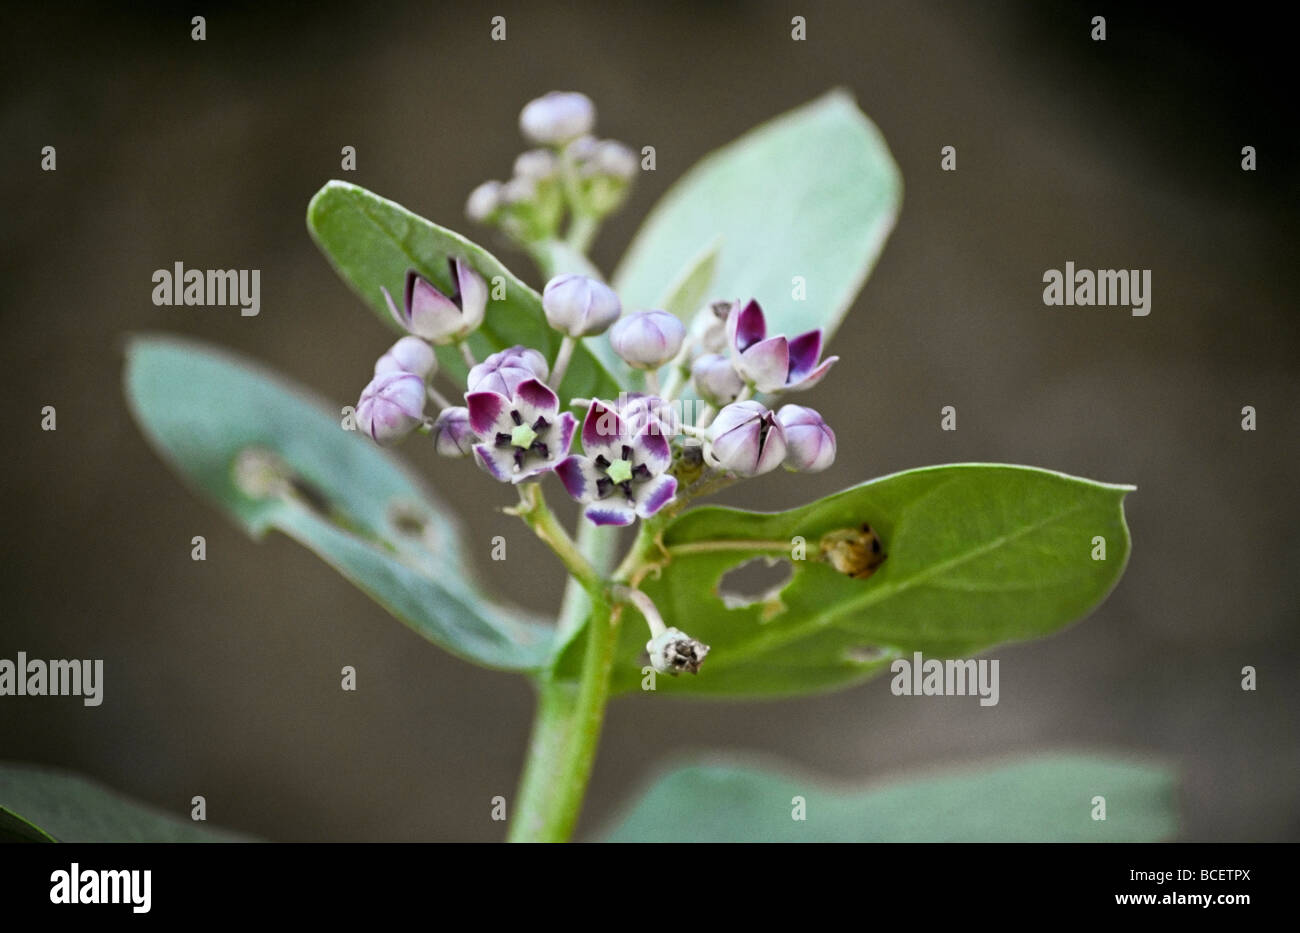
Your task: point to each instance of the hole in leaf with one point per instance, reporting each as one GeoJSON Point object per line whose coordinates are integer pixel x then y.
{"type": "Point", "coordinates": [756, 581]}
{"type": "Point", "coordinates": [869, 654]}
{"type": "Point", "coordinates": [407, 519]}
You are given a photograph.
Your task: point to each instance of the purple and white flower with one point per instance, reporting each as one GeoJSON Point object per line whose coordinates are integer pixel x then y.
{"type": "Point", "coordinates": [746, 438]}
{"type": "Point", "coordinates": [580, 306]}
{"type": "Point", "coordinates": [809, 440]}
{"type": "Point", "coordinates": [773, 364]}
{"type": "Point", "coordinates": [391, 406]}
{"type": "Point", "coordinates": [521, 435]}
{"type": "Point", "coordinates": [408, 355]}
{"type": "Point", "coordinates": [503, 371]}
{"type": "Point", "coordinates": [622, 473]}
{"type": "Point", "coordinates": [428, 313]}
{"type": "Point", "coordinates": [648, 339]}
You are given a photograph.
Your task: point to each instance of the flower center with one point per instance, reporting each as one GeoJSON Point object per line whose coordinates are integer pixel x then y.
{"type": "Point", "coordinates": [620, 471]}
{"type": "Point", "coordinates": [522, 436]}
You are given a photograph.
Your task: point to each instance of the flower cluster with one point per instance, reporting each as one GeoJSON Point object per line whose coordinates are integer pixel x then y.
{"type": "Point", "coordinates": [570, 169]}
{"type": "Point", "coordinates": [516, 427]}
{"type": "Point", "coordinates": [637, 453]}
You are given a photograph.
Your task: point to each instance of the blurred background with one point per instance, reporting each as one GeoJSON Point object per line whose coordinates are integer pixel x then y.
{"type": "Point", "coordinates": [222, 678]}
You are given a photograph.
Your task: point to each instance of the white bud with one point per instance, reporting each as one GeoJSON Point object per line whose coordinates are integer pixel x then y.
{"type": "Point", "coordinates": [557, 117]}
{"type": "Point", "coordinates": [483, 201]}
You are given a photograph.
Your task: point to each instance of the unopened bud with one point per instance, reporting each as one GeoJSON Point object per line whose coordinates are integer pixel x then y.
{"type": "Point", "coordinates": [580, 306]}
{"type": "Point", "coordinates": [647, 339]}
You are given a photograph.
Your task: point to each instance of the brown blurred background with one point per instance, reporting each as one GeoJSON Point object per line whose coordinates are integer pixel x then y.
{"type": "Point", "coordinates": [222, 678]}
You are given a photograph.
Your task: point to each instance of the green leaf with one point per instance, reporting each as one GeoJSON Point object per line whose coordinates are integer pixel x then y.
{"type": "Point", "coordinates": [40, 804]}
{"type": "Point", "coordinates": [216, 417]}
{"type": "Point", "coordinates": [371, 242]}
{"type": "Point", "coordinates": [812, 193]}
{"type": "Point", "coordinates": [1045, 799]}
{"type": "Point", "coordinates": [692, 287]}
{"type": "Point", "coordinates": [13, 828]}
{"type": "Point", "coordinates": [976, 555]}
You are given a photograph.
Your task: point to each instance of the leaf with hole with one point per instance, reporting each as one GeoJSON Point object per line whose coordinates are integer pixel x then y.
{"type": "Point", "coordinates": [1040, 799]}
{"type": "Point", "coordinates": [272, 457]}
{"type": "Point", "coordinates": [970, 556]}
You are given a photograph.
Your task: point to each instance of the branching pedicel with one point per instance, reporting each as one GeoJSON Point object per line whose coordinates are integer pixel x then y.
{"type": "Point", "coordinates": [636, 449]}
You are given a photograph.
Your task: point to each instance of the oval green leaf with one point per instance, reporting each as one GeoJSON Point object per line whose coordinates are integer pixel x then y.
{"type": "Point", "coordinates": [1041, 799]}
{"type": "Point", "coordinates": [273, 457]}
{"type": "Point", "coordinates": [974, 555]}
{"type": "Point", "coordinates": [811, 194]}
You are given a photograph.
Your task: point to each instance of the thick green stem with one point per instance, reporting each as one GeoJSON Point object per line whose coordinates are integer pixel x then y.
{"type": "Point", "coordinates": [567, 726]}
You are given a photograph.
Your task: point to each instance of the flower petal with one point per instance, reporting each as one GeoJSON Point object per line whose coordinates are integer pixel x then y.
{"type": "Point", "coordinates": [471, 293]}
{"type": "Point", "coordinates": [534, 399]}
{"type": "Point", "coordinates": [398, 316]}
{"type": "Point", "coordinates": [497, 461]}
{"type": "Point", "coordinates": [653, 495]}
{"type": "Point", "coordinates": [813, 377]}
{"type": "Point", "coordinates": [489, 413]}
{"type": "Point", "coordinates": [804, 351]}
{"type": "Point", "coordinates": [746, 326]}
{"type": "Point", "coordinates": [579, 475]}
{"type": "Point", "coordinates": [602, 429]}
{"type": "Point", "coordinates": [567, 425]}
{"type": "Point", "coordinates": [651, 449]}
{"type": "Point", "coordinates": [432, 314]}
{"type": "Point", "coordinates": [766, 364]}
{"type": "Point", "coordinates": [774, 448]}
{"type": "Point", "coordinates": [610, 512]}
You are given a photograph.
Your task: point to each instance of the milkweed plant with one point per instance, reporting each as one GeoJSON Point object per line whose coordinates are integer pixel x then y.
{"type": "Point", "coordinates": [698, 365]}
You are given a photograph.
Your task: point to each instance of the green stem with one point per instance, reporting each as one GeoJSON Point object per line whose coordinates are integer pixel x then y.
{"type": "Point", "coordinates": [566, 729]}
{"type": "Point", "coordinates": [532, 508]}
{"type": "Point", "coordinates": [582, 230]}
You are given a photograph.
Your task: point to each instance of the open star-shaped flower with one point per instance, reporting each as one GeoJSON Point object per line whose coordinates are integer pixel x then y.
{"type": "Point", "coordinates": [519, 436]}
{"type": "Point", "coordinates": [621, 475]}
{"type": "Point", "coordinates": [773, 364]}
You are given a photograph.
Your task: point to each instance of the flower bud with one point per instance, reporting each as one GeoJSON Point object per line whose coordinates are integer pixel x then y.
{"type": "Point", "coordinates": [502, 372]}
{"type": "Point", "coordinates": [557, 117]}
{"type": "Point", "coordinates": [537, 164]}
{"type": "Point", "coordinates": [580, 306]}
{"type": "Point", "coordinates": [647, 339]}
{"type": "Point", "coordinates": [674, 652]}
{"type": "Point", "coordinates": [746, 438]}
{"type": "Point", "coordinates": [428, 313]}
{"type": "Point", "coordinates": [809, 441]}
{"type": "Point", "coordinates": [709, 327]}
{"type": "Point", "coordinates": [452, 435]}
{"type": "Point", "coordinates": [408, 355]}
{"type": "Point", "coordinates": [391, 406]}
{"type": "Point", "coordinates": [716, 380]}
{"type": "Point", "coordinates": [484, 201]}
{"type": "Point", "coordinates": [615, 159]}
